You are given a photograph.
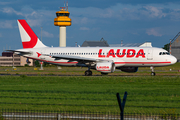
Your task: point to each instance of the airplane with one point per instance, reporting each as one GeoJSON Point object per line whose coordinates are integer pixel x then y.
{"type": "Point", "coordinates": [102, 59]}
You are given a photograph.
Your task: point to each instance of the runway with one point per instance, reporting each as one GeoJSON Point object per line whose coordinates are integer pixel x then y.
{"type": "Point", "coordinates": [117, 75]}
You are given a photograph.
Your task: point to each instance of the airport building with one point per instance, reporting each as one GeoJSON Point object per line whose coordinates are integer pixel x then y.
{"type": "Point", "coordinates": [11, 59]}
{"type": "Point", "coordinates": [101, 43]}
{"type": "Point", "coordinates": [175, 47]}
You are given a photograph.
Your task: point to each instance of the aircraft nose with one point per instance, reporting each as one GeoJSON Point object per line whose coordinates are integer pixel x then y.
{"type": "Point", "coordinates": [173, 60]}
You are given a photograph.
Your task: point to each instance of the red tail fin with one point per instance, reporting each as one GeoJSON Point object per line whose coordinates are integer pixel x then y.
{"type": "Point", "coordinates": [28, 37]}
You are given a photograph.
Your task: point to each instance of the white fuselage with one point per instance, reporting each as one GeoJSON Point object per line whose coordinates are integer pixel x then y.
{"type": "Point", "coordinates": [121, 56]}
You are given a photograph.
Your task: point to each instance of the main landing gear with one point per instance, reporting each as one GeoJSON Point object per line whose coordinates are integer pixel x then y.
{"type": "Point", "coordinates": [88, 72]}
{"type": "Point", "coordinates": [152, 71]}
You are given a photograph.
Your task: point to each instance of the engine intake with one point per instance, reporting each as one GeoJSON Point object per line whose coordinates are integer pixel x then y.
{"type": "Point", "coordinates": [105, 67]}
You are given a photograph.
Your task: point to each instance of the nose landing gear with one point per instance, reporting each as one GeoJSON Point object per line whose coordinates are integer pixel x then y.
{"type": "Point", "coordinates": [152, 71]}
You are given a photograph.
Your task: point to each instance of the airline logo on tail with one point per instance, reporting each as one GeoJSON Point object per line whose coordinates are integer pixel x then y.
{"type": "Point", "coordinates": [28, 37]}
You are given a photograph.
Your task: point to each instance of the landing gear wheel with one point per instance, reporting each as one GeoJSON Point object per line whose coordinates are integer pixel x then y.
{"type": "Point", "coordinates": [88, 73]}
{"type": "Point", "coordinates": [104, 73]}
{"type": "Point", "coordinates": [153, 73]}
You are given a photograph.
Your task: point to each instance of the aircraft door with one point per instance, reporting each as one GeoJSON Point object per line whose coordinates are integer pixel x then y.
{"type": "Point", "coordinates": [150, 54]}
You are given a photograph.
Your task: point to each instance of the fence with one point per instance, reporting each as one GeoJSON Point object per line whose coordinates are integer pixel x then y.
{"type": "Point", "coordinates": [14, 114]}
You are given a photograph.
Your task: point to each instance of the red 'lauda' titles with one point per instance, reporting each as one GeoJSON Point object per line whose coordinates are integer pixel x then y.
{"type": "Point", "coordinates": [111, 53]}
{"type": "Point", "coordinates": [100, 52]}
{"type": "Point", "coordinates": [140, 53]}
{"type": "Point", "coordinates": [130, 53]}
{"type": "Point", "coordinates": [103, 67]}
{"type": "Point", "coordinates": [123, 53]}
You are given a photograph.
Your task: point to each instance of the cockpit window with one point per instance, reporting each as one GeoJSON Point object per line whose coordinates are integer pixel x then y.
{"type": "Point", "coordinates": [163, 53]}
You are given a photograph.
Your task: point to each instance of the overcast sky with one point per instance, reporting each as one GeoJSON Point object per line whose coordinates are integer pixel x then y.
{"type": "Point", "coordinates": [133, 21]}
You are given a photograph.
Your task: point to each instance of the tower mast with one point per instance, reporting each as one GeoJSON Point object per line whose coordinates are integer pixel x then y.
{"type": "Point", "coordinates": [62, 20]}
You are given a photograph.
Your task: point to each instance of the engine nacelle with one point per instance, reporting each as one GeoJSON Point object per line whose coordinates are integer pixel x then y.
{"type": "Point", "coordinates": [128, 69]}
{"type": "Point", "coordinates": [105, 67]}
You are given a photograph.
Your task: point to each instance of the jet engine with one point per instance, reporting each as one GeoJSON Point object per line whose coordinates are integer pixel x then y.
{"type": "Point", "coordinates": [105, 67]}
{"type": "Point", "coordinates": [128, 69]}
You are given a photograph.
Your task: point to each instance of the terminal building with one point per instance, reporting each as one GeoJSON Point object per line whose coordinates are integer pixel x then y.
{"type": "Point", "coordinates": [175, 47]}
{"type": "Point", "coordinates": [11, 59]}
{"type": "Point", "coordinates": [101, 43]}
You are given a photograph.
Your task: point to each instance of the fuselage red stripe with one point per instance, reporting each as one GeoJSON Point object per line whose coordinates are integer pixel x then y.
{"type": "Point", "coordinates": [141, 62]}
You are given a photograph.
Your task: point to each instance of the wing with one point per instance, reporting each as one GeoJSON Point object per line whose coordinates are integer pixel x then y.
{"type": "Point", "coordinates": [74, 58]}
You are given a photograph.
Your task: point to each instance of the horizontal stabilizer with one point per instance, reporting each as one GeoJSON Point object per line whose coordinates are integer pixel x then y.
{"type": "Point", "coordinates": [23, 52]}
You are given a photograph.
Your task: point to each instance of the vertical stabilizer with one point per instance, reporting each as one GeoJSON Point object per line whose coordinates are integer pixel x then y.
{"type": "Point", "coordinates": [28, 37]}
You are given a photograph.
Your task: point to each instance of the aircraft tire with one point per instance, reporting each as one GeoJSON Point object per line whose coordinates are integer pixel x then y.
{"type": "Point", "coordinates": [153, 73]}
{"type": "Point", "coordinates": [88, 73]}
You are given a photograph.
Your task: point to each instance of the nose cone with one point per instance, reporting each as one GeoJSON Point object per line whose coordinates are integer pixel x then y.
{"type": "Point", "coordinates": [173, 60]}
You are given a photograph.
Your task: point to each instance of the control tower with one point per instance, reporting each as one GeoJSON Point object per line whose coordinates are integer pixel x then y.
{"type": "Point", "coordinates": [62, 20]}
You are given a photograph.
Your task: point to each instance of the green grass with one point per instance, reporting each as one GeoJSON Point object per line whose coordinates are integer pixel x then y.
{"type": "Point", "coordinates": [159, 94]}
{"type": "Point", "coordinates": [80, 71]}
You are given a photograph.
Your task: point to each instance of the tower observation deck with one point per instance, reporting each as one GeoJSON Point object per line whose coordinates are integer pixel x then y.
{"type": "Point", "coordinates": [62, 20]}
